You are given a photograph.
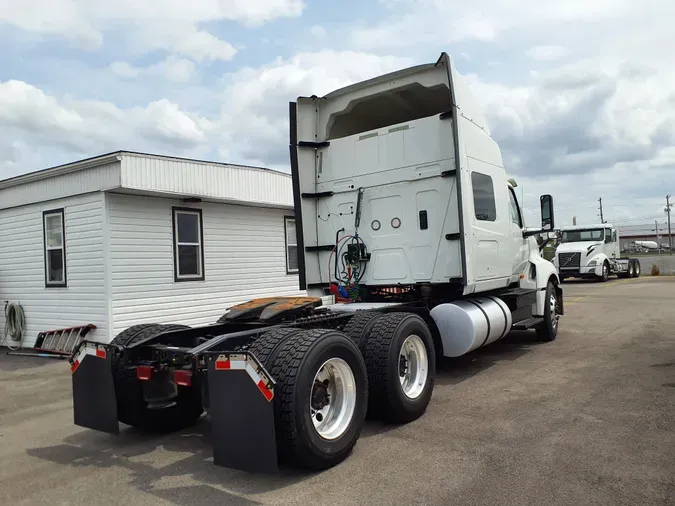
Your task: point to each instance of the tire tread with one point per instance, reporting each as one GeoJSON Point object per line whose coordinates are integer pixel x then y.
{"type": "Point", "coordinates": [286, 370]}
{"type": "Point", "coordinates": [357, 327]}
{"type": "Point", "coordinates": [382, 393]}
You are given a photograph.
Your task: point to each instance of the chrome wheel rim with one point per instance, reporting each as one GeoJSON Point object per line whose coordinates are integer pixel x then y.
{"type": "Point", "coordinates": [413, 366]}
{"type": "Point", "coordinates": [333, 398]}
{"type": "Point", "coordinates": [553, 305]}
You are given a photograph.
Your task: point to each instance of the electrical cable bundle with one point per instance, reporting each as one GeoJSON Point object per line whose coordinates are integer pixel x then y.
{"type": "Point", "coordinates": [352, 268]}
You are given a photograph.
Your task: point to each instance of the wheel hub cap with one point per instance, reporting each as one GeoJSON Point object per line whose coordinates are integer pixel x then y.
{"type": "Point", "coordinates": [553, 304]}
{"type": "Point", "coordinates": [333, 398]}
{"type": "Point", "coordinates": [413, 366]}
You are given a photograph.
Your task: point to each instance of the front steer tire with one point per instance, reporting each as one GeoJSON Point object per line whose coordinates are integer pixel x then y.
{"type": "Point", "coordinates": [387, 398]}
{"type": "Point", "coordinates": [548, 330]}
{"type": "Point", "coordinates": [131, 406]}
{"type": "Point", "coordinates": [294, 369]}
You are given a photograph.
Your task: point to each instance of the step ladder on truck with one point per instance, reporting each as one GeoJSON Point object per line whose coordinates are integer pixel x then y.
{"type": "Point", "coordinates": [404, 212]}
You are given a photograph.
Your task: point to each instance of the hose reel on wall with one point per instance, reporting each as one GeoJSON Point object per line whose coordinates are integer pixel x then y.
{"type": "Point", "coordinates": [15, 323]}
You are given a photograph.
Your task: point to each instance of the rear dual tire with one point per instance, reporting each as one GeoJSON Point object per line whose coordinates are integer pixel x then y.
{"type": "Point", "coordinates": [401, 362]}
{"type": "Point", "coordinates": [320, 396]}
{"type": "Point", "coordinates": [381, 364]}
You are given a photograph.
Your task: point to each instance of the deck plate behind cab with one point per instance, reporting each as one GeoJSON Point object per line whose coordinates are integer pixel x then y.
{"type": "Point", "coordinates": [269, 308]}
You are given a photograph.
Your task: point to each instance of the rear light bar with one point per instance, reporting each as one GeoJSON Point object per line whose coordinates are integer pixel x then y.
{"type": "Point", "coordinates": [143, 372]}
{"type": "Point", "coordinates": [183, 377]}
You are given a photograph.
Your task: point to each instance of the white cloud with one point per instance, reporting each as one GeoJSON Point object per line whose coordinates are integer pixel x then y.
{"type": "Point", "coordinates": [580, 118]}
{"type": "Point", "coordinates": [251, 125]}
{"type": "Point", "coordinates": [202, 45]}
{"type": "Point", "coordinates": [602, 126]}
{"type": "Point", "coordinates": [178, 70]}
{"type": "Point", "coordinates": [31, 120]}
{"type": "Point", "coordinates": [255, 100]}
{"type": "Point", "coordinates": [318, 31]}
{"type": "Point", "coordinates": [546, 53]}
{"type": "Point", "coordinates": [174, 22]}
{"type": "Point", "coordinates": [125, 70]}
{"type": "Point", "coordinates": [441, 22]}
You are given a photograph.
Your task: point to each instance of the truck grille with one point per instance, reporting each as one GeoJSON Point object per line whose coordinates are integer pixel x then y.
{"type": "Point", "coordinates": [569, 260]}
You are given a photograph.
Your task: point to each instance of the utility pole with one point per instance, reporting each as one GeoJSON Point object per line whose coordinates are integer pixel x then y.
{"type": "Point", "coordinates": [670, 237]}
{"type": "Point", "coordinates": [602, 218]}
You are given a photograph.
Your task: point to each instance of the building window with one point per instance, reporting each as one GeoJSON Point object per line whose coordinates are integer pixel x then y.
{"type": "Point", "coordinates": [55, 248]}
{"type": "Point", "coordinates": [291, 245]}
{"type": "Point", "coordinates": [188, 244]}
{"type": "Point", "coordinates": [483, 197]}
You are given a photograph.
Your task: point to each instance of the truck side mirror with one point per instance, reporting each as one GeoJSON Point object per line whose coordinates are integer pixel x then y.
{"type": "Point", "coordinates": [547, 218]}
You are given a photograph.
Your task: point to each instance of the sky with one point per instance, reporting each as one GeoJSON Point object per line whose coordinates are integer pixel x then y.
{"type": "Point", "coordinates": [580, 95]}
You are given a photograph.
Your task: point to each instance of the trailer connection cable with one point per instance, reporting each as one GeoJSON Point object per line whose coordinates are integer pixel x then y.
{"type": "Point", "coordinates": [15, 323]}
{"type": "Point", "coordinates": [352, 269]}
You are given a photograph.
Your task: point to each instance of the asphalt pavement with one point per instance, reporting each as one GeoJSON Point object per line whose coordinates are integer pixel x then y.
{"type": "Point", "coordinates": [588, 419]}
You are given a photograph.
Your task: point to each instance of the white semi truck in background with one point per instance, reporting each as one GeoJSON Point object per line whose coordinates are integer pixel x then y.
{"type": "Point", "coordinates": [593, 251]}
{"type": "Point", "coordinates": [404, 212]}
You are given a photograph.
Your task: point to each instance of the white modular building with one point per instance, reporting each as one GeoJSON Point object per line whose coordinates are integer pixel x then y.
{"type": "Point", "coordinates": [128, 238]}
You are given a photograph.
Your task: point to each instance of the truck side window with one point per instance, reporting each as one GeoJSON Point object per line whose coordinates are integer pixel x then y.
{"type": "Point", "coordinates": [608, 235]}
{"type": "Point", "coordinates": [515, 211]}
{"type": "Point", "coordinates": [483, 197]}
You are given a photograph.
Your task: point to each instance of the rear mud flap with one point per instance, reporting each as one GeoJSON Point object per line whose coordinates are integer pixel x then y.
{"type": "Point", "coordinates": [242, 413]}
{"type": "Point", "coordinates": [94, 402]}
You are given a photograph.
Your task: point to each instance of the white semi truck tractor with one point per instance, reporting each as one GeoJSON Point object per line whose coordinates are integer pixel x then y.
{"type": "Point", "coordinates": [405, 215]}
{"type": "Point", "coordinates": [593, 252]}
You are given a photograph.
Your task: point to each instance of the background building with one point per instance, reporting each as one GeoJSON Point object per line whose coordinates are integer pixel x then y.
{"type": "Point", "coordinates": [128, 238]}
{"type": "Point", "coordinates": [648, 232]}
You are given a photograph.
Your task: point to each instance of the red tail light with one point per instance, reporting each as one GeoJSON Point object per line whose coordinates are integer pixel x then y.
{"type": "Point", "coordinates": [183, 378]}
{"type": "Point", "coordinates": [143, 372]}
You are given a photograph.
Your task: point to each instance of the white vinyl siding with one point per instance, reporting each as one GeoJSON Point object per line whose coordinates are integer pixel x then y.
{"type": "Point", "coordinates": [244, 251]}
{"type": "Point", "coordinates": [22, 267]}
{"type": "Point", "coordinates": [94, 179]}
{"type": "Point", "coordinates": [122, 262]}
{"type": "Point", "coordinates": [174, 176]}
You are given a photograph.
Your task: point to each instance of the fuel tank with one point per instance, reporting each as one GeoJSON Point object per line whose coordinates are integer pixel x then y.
{"type": "Point", "coordinates": [468, 324]}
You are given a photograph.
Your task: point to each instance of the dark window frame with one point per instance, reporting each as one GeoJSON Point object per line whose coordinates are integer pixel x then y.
{"type": "Point", "coordinates": [609, 237]}
{"type": "Point", "coordinates": [50, 212]}
{"type": "Point", "coordinates": [494, 197]}
{"type": "Point", "coordinates": [520, 213]}
{"type": "Point", "coordinates": [286, 245]}
{"type": "Point", "coordinates": [175, 210]}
